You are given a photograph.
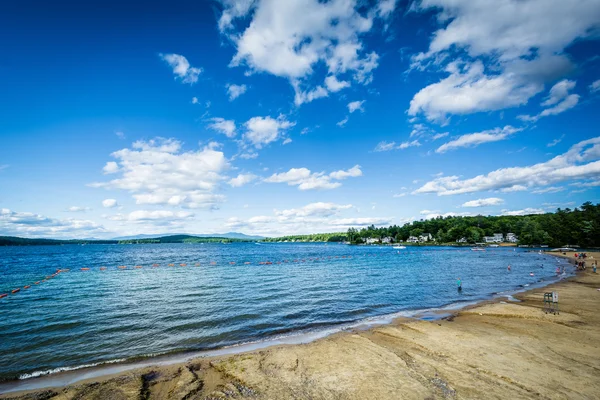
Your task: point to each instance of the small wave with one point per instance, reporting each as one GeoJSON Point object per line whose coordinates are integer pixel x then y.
{"type": "Point", "coordinates": [64, 369]}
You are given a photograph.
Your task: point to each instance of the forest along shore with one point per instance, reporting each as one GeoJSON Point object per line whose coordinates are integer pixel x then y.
{"type": "Point", "coordinates": [493, 350]}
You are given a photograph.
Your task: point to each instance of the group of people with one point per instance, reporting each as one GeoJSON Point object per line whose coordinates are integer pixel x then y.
{"type": "Point", "coordinates": [580, 262]}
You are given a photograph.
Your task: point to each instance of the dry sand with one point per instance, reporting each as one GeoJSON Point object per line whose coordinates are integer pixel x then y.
{"type": "Point", "coordinates": [491, 351]}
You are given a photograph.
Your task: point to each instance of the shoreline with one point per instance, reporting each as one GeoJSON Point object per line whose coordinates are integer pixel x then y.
{"type": "Point", "coordinates": [211, 359]}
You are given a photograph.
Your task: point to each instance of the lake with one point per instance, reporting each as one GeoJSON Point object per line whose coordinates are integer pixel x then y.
{"type": "Point", "coordinates": [224, 294]}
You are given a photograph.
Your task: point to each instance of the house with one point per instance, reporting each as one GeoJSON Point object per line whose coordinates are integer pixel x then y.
{"type": "Point", "coordinates": [412, 239]}
{"type": "Point", "coordinates": [372, 240]}
{"type": "Point", "coordinates": [426, 237]}
{"type": "Point", "coordinates": [511, 238]}
{"type": "Point", "coordinates": [497, 238]}
{"type": "Point", "coordinates": [386, 240]}
{"type": "Point", "coordinates": [462, 240]}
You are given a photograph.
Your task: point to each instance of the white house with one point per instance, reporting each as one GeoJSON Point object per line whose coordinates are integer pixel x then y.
{"type": "Point", "coordinates": [462, 240]}
{"type": "Point", "coordinates": [497, 238]}
{"type": "Point", "coordinates": [426, 237]}
{"type": "Point", "coordinates": [412, 239]}
{"type": "Point", "coordinates": [386, 240]}
{"type": "Point", "coordinates": [511, 238]}
{"type": "Point", "coordinates": [372, 240]}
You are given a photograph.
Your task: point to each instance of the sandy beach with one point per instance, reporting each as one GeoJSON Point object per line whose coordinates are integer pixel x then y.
{"type": "Point", "coordinates": [495, 350]}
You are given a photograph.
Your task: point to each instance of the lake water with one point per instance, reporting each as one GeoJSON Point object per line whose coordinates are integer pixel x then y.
{"type": "Point", "coordinates": [224, 295]}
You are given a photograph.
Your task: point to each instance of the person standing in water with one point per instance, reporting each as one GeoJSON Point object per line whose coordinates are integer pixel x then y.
{"type": "Point", "coordinates": [459, 284]}
{"type": "Point", "coordinates": [508, 268]}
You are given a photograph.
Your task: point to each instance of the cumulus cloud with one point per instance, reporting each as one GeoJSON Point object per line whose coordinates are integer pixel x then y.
{"type": "Point", "coordinates": [334, 85]}
{"type": "Point", "coordinates": [475, 139]}
{"type": "Point", "coordinates": [241, 180]}
{"type": "Point", "coordinates": [111, 167]}
{"type": "Point", "coordinates": [581, 161]}
{"type": "Point", "coordinates": [290, 39]}
{"type": "Point", "coordinates": [181, 68]}
{"type": "Point", "coordinates": [159, 172]}
{"type": "Point", "coordinates": [526, 211]}
{"type": "Point", "coordinates": [436, 214]}
{"type": "Point", "coordinates": [595, 86]}
{"type": "Point", "coordinates": [307, 96]}
{"type": "Point", "coordinates": [235, 91]}
{"type": "Point", "coordinates": [468, 89]}
{"type": "Point", "coordinates": [314, 209]}
{"type": "Point", "coordinates": [77, 209]}
{"type": "Point", "coordinates": [356, 106]}
{"type": "Point", "coordinates": [224, 126]}
{"type": "Point", "coordinates": [109, 203]}
{"type": "Point", "coordinates": [366, 221]}
{"type": "Point", "coordinates": [342, 122]}
{"type": "Point", "coordinates": [154, 215]}
{"type": "Point", "coordinates": [523, 41]}
{"type": "Point", "coordinates": [550, 189]}
{"type": "Point", "coordinates": [559, 98]}
{"type": "Point", "coordinates": [264, 130]}
{"type": "Point", "coordinates": [490, 201]}
{"type": "Point", "coordinates": [307, 180]}
{"type": "Point", "coordinates": [387, 146]}
{"type": "Point", "coordinates": [29, 224]}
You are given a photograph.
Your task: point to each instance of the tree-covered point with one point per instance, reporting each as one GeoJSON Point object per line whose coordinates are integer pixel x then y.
{"type": "Point", "coordinates": [182, 239]}
{"type": "Point", "coordinates": [315, 237]}
{"type": "Point", "coordinates": [580, 226]}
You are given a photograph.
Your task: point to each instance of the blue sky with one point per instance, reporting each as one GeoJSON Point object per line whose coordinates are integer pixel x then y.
{"type": "Point", "coordinates": [271, 117]}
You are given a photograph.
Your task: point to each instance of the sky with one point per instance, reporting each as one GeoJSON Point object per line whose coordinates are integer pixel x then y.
{"type": "Point", "coordinates": [277, 117]}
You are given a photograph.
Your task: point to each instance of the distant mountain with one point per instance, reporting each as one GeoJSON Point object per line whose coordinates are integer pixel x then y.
{"type": "Point", "coordinates": [228, 235]}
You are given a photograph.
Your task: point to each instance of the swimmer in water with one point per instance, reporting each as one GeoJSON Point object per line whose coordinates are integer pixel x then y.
{"type": "Point", "coordinates": [557, 270]}
{"type": "Point", "coordinates": [459, 284]}
{"type": "Point", "coordinates": [508, 268]}
{"type": "Point", "coordinates": [531, 274]}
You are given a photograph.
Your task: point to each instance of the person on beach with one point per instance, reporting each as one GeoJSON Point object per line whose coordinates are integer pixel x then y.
{"type": "Point", "coordinates": [594, 266]}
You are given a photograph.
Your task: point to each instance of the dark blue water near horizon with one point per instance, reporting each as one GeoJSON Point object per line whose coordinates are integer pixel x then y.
{"type": "Point", "coordinates": [225, 294]}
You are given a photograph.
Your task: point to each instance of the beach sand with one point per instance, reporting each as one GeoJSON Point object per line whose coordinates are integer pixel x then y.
{"type": "Point", "coordinates": [495, 350]}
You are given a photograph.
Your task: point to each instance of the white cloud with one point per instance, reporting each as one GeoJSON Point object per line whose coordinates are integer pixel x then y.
{"type": "Point", "coordinates": [522, 40]}
{"type": "Point", "coordinates": [559, 97]}
{"type": "Point", "coordinates": [342, 122]}
{"type": "Point", "coordinates": [302, 97]}
{"type": "Point", "coordinates": [320, 209]}
{"type": "Point", "coordinates": [224, 126]}
{"type": "Point", "coordinates": [27, 224]}
{"type": "Point", "coordinates": [264, 130]}
{"type": "Point", "coordinates": [78, 209]}
{"type": "Point", "coordinates": [398, 195]}
{"type": "Point", "coordinates": [550, 189]}
{"type": "Point", "coordinates": [109, 203]}
{"type": "Point", "coordinates": [475, 139]}
{"type": "Point", "coordinates": [595, 86]}
{"type": "Point", "coordinates": [361, 221]}
{"type": "Point", "coordinates": [242, 179]}
{"type": "Point", "coordinates": [556, 141]}
{"type": "Point", "coordinates": [290, 39]}
{"type": "Point", "coordinates": [387, 146]}
{"type": "Point", "coordinates": [307, 180]}
{"type": "Point", "coordinates": [436, 214]}
{"type": "Point", "coordinates": [440, 135]}
{"type": "Point", "coordinates": [154, 215]}
{"type": "Point", "coordinates": [424, 212]}
{"type": "Point", "coordinates": [120, 135]}
{"type": "Point", "coordinates": [526, 211]}
{"type": "Point", "coordinates": [468, 90]}
{"type": "Point", "coordinates": [195, 100]}
{"type": "Point", "coordinates": [111, 167]}
{"type": "Point", "coordinates": [287, 141]}
{"type": "Point", "coordinates": [580, 162]}
{"type": "Point", "coordinates": [490, 201]}
{"type": "Point", "coordinates": [235, 91]}
{"type": "Point", "coordinates": [356, 106]}
{"type": "Point", "coordinates": [182, 68]}
{"type": "Point", "coordinates": [333, 85]}
{"type": "Point", "coordinates": [159, 172]}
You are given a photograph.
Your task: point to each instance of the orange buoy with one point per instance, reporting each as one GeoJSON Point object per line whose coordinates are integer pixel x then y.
{"type": "Point", "coordinates": [247, 262]}
{"type": "Point", "coordinates": [26, 287]}
{"type": "Point", "coordinates": [122, 267]}
{"type": "Point", "coordinates": [3, 295]}
{"type": "Point", "coordinates": [36, 283]}
{"type": "Point", "coordinates": [232, 262]}
{"type": "Point", "coordinates": [155, 265]}
{"type": "Point", "coordinates": [171, 265]}
{"type": "Point", "coordinates": [15, 291]}
{"type": "Point", "coordinates": [102, 268]}
{"type": "Point", "coordinates": [213, 263]}
{"type": "Point", "coordinates": [85, 269]}
{"type": "Point", "coordinates": [183, 265]}
{"type": "Point", "coordinates": [138, 267]}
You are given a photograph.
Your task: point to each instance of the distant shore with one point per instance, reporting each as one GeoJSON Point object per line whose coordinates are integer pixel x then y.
{"type": "Point", "coordinates": [498, 349]}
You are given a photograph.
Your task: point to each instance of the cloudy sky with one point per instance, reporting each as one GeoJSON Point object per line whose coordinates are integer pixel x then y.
{"type": "Point", "coordinates": [273, 117]}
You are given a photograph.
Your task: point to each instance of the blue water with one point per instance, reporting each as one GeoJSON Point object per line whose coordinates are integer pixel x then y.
{"type": "Point", "coordinates": [96, 316]}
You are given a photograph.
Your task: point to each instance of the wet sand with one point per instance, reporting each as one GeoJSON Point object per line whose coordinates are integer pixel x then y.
{"type": "Point", "coordinates": [501, 350]}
